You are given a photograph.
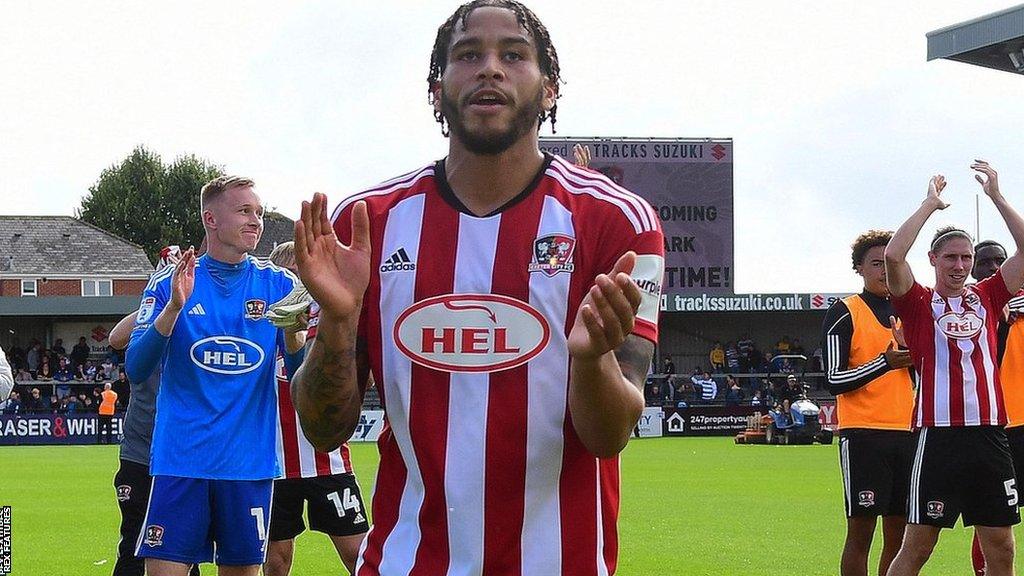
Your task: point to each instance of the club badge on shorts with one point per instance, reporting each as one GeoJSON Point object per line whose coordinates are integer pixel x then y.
{"type": "Point", "coordinates": [154, 536]}
{"type": "Point", "coordinates": [866, 498]}
{"type": "Point", "coordinates": [935, 509]}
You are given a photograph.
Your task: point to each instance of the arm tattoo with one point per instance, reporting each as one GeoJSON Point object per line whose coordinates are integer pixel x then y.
{"type": "Point", "coordinates": [634, 356]}
{"type": "Point", "coordinates": [326, 394]}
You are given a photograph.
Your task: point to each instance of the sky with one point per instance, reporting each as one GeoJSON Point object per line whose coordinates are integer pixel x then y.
{"type": "Point", "coordinates": [838, 121]}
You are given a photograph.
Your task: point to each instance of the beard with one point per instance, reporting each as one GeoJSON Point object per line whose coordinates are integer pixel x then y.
{"type": "Point", "coordinates": [489, 143]}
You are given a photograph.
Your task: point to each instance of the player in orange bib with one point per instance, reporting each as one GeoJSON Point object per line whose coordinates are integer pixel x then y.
{"type": "Point", "coordinates": [107, 406]}
{"type": "Point", "coordinates": [867, 371]}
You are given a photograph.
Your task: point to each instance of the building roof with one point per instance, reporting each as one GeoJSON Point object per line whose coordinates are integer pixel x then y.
{"type": "Point", "coordinates": [55, 307]}
{"type": "Point", "coordinates": [277, 229]}
{"type": "Point", "coordinates": [985, 41]}
{"type": "Point", "coordinates": [62, 245]}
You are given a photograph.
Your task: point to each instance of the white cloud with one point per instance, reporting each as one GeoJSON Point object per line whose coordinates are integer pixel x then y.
{"type": "Point", "coordinates": [838, 120]}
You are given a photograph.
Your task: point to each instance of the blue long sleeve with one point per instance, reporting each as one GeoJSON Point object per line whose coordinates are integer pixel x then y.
{"type": "Point", "coordinates": [144, 354]}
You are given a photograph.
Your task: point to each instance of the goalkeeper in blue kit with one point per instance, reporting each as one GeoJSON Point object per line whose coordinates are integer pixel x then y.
{"type": "Point", "coordinates": [214, 443]}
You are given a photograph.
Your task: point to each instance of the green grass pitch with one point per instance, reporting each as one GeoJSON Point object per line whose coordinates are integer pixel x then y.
{"type": "Point", "coordinates": [693, 506]}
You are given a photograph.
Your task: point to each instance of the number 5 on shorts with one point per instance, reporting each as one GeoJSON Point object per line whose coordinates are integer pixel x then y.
{"type": "Point", "coordinates": [349, 502]}
{"type": "Point", "coordinates": [1011, 491]}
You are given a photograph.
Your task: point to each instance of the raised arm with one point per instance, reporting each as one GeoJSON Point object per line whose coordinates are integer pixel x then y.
{"type": "Point", "coordinates": [1013, 267]}
{"type": "Point", "coordinates": [122, 332]}
{"type": "Point", "coordinates": [325, 389]}
{"type": "Point", "coordinates": [609, 364]}
{"type": "Point", "coordinates": [898, 275]}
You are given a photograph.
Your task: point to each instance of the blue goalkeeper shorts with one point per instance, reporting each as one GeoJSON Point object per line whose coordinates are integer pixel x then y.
{"type": "Point", "coordinates": [188, 517]}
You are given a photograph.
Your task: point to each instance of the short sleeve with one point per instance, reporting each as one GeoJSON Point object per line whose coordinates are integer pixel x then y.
{"type": "Point", "coordinates": [994, 290]}
{"type": "Point", "coordinates": [619, 237]}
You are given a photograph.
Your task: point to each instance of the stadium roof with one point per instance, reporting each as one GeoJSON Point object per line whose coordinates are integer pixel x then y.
{"type": "Point", "coordinates": [56, 306]}
{"type": "Point", "coordinates": [993, 41]}
{"type": "Point", "coordinates": [277, 229]}
{"type": "Point", "coordinates": [62, 245]}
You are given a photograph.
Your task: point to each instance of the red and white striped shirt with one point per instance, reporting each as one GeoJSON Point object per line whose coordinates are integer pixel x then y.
{"type": "Point", "coordinates": [953, 345]}
{"type": "Point", "coordinates": [466, 320]}
{"type": "Point", "coordinates": [297, 456]}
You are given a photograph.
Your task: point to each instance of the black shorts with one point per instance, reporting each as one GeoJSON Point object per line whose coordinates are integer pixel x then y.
{"type": "Point", "coordinates": [1015, 436]}
{"type": "Point", "coordinates": [963, 470]}
{"type": "Point", "coordinates": [876, 471]}
{"type": "Point", "coordinates": [335, 507]}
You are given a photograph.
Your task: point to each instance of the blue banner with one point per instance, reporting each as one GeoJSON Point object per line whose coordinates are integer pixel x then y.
{"type": "Point", "coordinates": [66, 429]}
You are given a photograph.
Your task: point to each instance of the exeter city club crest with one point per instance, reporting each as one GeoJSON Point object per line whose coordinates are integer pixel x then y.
{"type": "Point", "coordinates": [553, 254]}
{"type": "Point", "coordinates": [255, 309]}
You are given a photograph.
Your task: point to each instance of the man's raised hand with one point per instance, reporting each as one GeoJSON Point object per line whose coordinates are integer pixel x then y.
{"type": "Point", "coordinates": [990, 184]}
{"type": "Point", "coordinates": [607, 313]}
{"type": "Point", "coordinates": [183, 279]}
{"type": "Point", "coordinates": [935, 187]}
{"type": "Point", "coordinates": [335, 275]}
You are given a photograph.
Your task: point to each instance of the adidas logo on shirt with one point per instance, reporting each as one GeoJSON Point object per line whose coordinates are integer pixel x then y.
{"type": "Point", "coordinates": [397, 261]}
{"type": "Point", "coordinates": [197, 310]}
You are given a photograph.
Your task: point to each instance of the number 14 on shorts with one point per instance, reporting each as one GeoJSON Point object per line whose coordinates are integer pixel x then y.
{"type": "Point", "coordinates": [347, 501]}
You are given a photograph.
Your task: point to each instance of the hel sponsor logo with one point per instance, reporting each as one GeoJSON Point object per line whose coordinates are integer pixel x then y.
{"type": "Point", "coordinates": [154, 536]}
{"type": "Point", "coordinates": [935, 509]}
{"type": "Point", "coordinates": [471, 332]}
{"type": "Point", "coordinates": [255, 309]}
{"type": "Point", "coordinates": [553, 254]}
{"type": "Point", "coordinates": [960, 326]}
{"type": "Point", "coordinates": [146, 310]}
{"type": "Point", "coordinates": [124, 493]}
{"type": "Point", "coordinates": [226, 355]}
{"type": "Point", "coordinates": [866, 498]}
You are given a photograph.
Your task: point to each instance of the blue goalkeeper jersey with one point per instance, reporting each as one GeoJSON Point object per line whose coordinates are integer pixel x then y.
{"type": "Point", "coordinates": [216, 413]}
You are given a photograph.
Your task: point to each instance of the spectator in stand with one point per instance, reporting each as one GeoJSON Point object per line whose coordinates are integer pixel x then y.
{"type": "Point", "coordinates": [33, 357]}
{"type": "Point", "coordinates": [717, 357]}
{"type": "Point", "coordinates": [756, 400]}
{"type": "Point", "coordinates": [72, 404]}
{"type": "Point", "coordinates": [22, 375]}
{"type": "Point", "coordinates": [732, 358]}
{"type": "Point", "coordinates": [45, 369]}
{"type": "Point", "coordinates": [86, 404]}
{"type": "Point", "coordinates": [816, 365]}
{"type": "Point", "coordinates": [35, 404]}
{"type": "Point", "coordinates": [54, 404]}
{"type": "Point", "coordinates": [734, 393]}
{"type": "Point", "coordinates": [783, 346]}
{"type": "Point", "coordinates": [64, 373]}
{"type": "Point", "coordinates": [80, 353]}
{"type": "Point", "coordinates": [89, 371]}
{"type": "Point", "coordinates": [745, 346]}
{"type": "Point", "coordinates": [58, 347]}
{"type": "Point", "coordinates": [668, 367]}
{"type": "Point", "coordinates": [708, 387]}
{"type": "Point", "coordinates": [12, 405]}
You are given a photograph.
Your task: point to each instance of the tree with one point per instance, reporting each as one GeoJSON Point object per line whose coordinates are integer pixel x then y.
{"type": "Point", "coordinates": [148, 203]}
